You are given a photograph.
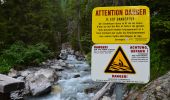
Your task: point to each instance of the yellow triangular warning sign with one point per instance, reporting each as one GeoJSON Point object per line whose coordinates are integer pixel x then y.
{"type": "Point", "coordinates": [120, 64]}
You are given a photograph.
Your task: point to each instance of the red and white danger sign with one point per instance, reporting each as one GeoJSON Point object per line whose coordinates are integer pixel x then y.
{"type": "Point", "coordinates": [121, 63]}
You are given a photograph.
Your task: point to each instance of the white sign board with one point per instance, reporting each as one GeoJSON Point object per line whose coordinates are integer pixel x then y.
{"type": "Point", "coordinates": [121, 63]}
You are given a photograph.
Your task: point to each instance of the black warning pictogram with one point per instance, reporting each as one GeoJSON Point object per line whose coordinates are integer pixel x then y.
{"type": "Point", "coordinates": [120, 64]}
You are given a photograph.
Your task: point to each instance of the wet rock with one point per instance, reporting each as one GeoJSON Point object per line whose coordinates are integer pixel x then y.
{"type": "Point", "coordinates": [71, 57]}
{"type": "Point", "coordinates": [39, 85]}
{"type": "Point", "coordinates": [158, 89]}
{"type": "Point", "coordinates": [50, 74]}
{"type": "Point", "coordinates": [70, 51]}
{"type": "Point", "coordinates": [25, 73]}
{"type": "Point", "coordinates": [89, 90]}
{"type": "Point", "coordinates": [62, 64]}
{"type": "Point", "coordinates": [21, 78]}
{"type": "Point", "coordinates": [13, 73]}
{"type": "Point", "coordinates": [40, 82]}
{"type": "Point", "coordinates": [76, 76]}
{"type": "Point", "coordinates": [43, 63]}
{"type": "Point", "coordinates": [79, 56]}
{"type": "Point", "coordinates": [63, 54]}
{"type": "Point", "coordinates": [70, 65]}
{"type": "Point", "coordinates": [57, 67]}
{"type": "Point", "coordinates": [17, 95]}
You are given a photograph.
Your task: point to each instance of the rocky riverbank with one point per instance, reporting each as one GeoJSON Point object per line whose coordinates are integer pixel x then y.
{"type": "Point", "coordinates": [68, 78]}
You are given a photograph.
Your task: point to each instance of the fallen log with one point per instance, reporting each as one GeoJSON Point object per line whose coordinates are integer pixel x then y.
{"type": "Point", "coordinates": [101, 92]}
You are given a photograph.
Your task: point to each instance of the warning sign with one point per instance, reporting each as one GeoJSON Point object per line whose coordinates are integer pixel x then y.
{"type": "Point", "coordinates": [120, 63]}
{"type": "Point", "coordinates": [123, 24]}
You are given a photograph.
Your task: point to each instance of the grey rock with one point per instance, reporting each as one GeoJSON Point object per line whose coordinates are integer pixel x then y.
{"type": "Point", "coordinates": [158, 89]}
{"type": "Point", "coordinates": [76, 76]}
{"type": "Point", "coordinates": [25, 73]}
{"type": "Point", "coordinates": [21, 78]}
{"type": "Point", "coordinates": [39, 85]}
{"type": "Point", "coordinates": [63, 64]}
{"type": "Point", "coordinates": [70, 65]}
{"type": "Point", "coordinates": [63, 54]}
{"type": "Point", "coordinates": [50, 74]}
{"type": "Point", "coordinates": [13, 73]}
{"type": "Point", "coordinates": [17, 95]}
{"type": "Point", "coordinates": [40, 82]}
{"type": "Point", "coordinates": [57, 67]}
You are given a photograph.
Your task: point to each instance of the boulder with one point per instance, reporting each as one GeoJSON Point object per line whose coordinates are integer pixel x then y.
{"type": "Point", "coordinates": [70, 51]}
{"type": "Point", "coordinates": [158, 89]}
{"type": "Point", "coordinates": [89, 90]}
{"type": "Point", "coordinates": [62, 64]}
{"type": "Point", "coordinates": [17, 95]}
{"type": "Point", "coordinates": [25, 73]}
{"type": "Point", "coordinates": [39, 85]}
{"type": "Point", "coordinates": [76, 76]}
{"type": "Point", "coordinates": [40, 82]}
{"type": "Point", "coordinates": [70, 65]}
{"type": "Point", "coordinates": [13, 73]}
{"type": "Point", "coordinates": [50, 74]}
{"type": "Point", "coordinates": [57, 67]}
{"type": "Point", "coordinates": [71, 57]}
{"type": "Point", "coordinates": [79, 56]}
{"type": "Point", "coordinates": [63, 54]}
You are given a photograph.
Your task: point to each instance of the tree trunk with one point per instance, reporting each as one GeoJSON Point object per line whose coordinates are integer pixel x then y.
{"type": "Point", "coordinates": [78, 25]}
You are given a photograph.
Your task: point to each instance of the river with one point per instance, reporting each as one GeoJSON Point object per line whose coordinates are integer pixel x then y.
{"type": "Point", "coordinates": [72, 82]}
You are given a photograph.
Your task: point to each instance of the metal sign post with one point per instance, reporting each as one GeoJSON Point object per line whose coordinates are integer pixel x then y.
{"type": "Point", "coordinates": [119, 91]}
{"type": "Point", "coordinates": [119, 54]}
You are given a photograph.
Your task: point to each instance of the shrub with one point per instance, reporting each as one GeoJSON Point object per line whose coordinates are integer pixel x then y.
{"type": "Point", "coordinates": [20, 55]}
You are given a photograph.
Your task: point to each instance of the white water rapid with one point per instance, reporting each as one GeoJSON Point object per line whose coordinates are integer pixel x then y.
{"type": "Point", "coordinates": [72, 82]}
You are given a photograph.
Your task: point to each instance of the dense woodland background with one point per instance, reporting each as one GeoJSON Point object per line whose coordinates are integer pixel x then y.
{"type": "Point", "coordinates": [32, 31]}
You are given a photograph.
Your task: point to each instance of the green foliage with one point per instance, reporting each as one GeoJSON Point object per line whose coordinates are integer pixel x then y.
{"type": "Point", "coordinates": [19, 54]}
{"type": "Point", "coordinates": [31, 21]}
{"type": "Point", "coordinates": [160, 37]}
{"type": "Point", "coordinates": [86, 43]}
{"type": "Point", "coordinates": [88, 58]}
{"type": "Point", "coordinates": [155, 60]}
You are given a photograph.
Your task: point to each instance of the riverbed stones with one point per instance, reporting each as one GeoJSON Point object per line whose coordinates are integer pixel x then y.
{"type": "Point", "coordinates": [63, 54]}
{"type": "Point", "coordinates": [57, 67]}
{"type": "Point", "coordinates": [62, 64]}
{"type": "Point", "coordinates": [25, 73]}
{"type": "Point", "coordinates": [79, 56]}
{"type": "Point", "coordinates": [50, 74]}
{"type": "Point", "coordinates": [13, 73]}
{"type": "Point", "coordinates": [158, 89]}
{"type": "Point", "coordinates": [38, 81]}
{"type": "Point", "coordinates": [39, 85]}
{"type": "Point", "coordinates": [70, 65]}
{"type": "Point", "coordinates": [76, 76]}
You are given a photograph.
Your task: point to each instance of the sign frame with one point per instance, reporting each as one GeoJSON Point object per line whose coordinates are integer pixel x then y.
{"type": "Point", "coordinates": [102, 54]}
{"type": "Point", "coordinates": [108, 28]}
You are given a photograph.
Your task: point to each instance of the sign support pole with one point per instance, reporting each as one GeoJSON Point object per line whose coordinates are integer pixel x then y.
{"type": "Point", "coordinates": [119, 91]}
